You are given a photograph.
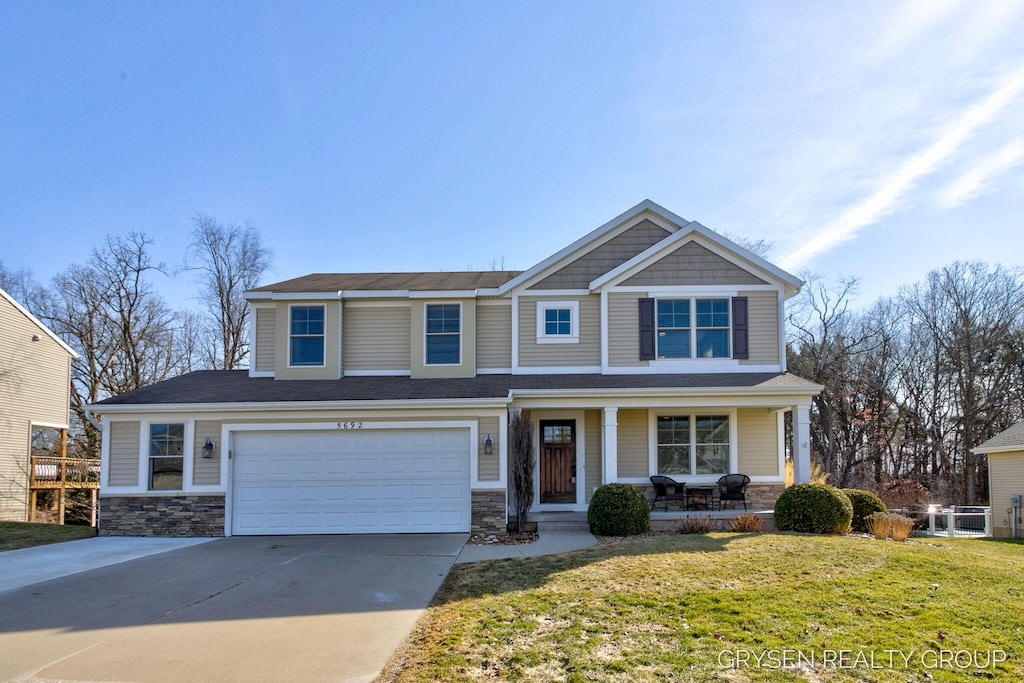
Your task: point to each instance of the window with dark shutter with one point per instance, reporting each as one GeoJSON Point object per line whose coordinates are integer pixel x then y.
{"type": "Point", "coordinates": [647, 329]}
{"type": "Point", "coordinates": [740, 336]}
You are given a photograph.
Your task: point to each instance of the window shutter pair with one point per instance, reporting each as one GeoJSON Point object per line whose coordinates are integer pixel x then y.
{"type": "Point", "coordinates": [740, 329]}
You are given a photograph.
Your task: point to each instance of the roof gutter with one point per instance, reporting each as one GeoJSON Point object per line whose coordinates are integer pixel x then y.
{"type": "Point", "coordinates": [92, 420]}
{"type": "Point", "coordinates": [292, 406]}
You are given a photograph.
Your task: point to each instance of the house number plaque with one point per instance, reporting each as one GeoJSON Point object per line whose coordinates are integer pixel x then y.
{"type": "Point", "coordinates": [350, 425]}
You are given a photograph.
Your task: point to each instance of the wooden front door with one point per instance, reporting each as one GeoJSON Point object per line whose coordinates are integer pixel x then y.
{"type": "Point", "coordinates": [558, 461]}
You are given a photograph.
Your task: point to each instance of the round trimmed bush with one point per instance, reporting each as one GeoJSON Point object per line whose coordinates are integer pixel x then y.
{"type": "Point", "coordinates": [813, 508]}
{"type": "Point", "coordinates": [619, 510]}
{"type": "Point", "coordinates": [864, 503]}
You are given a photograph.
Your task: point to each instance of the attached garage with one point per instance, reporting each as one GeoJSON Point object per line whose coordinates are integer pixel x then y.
{"type": "Point", "coordinates": [365, 479]}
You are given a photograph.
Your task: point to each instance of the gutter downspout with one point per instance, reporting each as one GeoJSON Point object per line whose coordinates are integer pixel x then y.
{"type": "Point", "coordinates": [92, 420]}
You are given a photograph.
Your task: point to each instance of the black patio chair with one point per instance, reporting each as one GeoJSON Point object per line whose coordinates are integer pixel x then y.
{"type": "Point", "coordinates": [666, 489]}
{"type": "Point", "coordinates": [733, 487]}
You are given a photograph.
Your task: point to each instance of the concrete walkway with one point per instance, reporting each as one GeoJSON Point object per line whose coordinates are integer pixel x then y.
{"type": "Point", "coordinates": [27, 566]}
{"type": "Point", "coordinates": [548, 543]}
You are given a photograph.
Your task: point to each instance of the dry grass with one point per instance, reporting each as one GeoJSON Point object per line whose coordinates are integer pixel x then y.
{"type": "Point", "coordinates": [746, 523]}
{"type": "Point", "coordinates": [901, 527]}
{"type": "Point", "coordinates": [665, 608]}
{"type": "Point", "coordinates": [697, 525]}
{"type": "Point", "coordinates": [878, 524]}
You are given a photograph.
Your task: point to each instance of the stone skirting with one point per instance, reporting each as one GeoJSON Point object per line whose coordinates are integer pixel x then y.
{"type": "Point", "coordinates": [488, 513]}
{"type": "Point", "coordinates": [760, 496]}
{"type": "Point", "coordinates": [195, 515]}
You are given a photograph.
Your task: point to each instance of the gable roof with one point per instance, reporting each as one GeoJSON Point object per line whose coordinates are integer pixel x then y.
{"type": "Point", "coordinates": [1011, 439]}
{"type": "Point", "coordinates": [35, 321]}
{"type": "Point", "coordinates": [414, 282]}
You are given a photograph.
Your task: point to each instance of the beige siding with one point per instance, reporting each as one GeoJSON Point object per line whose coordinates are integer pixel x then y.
{"type": "Point", "coordinates": [634, 456]}
{"type": "Point", "coordinates": [266, 326]}
{"type": "Point", "coordinates": [693, 264]}
{"type": "Point", "coordinates": [757, 435]}
{"type": "Point", "coordinates": [124, 454]}
{"type": "Point", "coordinates": [763, 318]}
{"type": "Point", "coordinates": [494, 336]}
{"type": "Point", "coordinates": [624, 330]}
{"type": "Point", "coordinates": [592, 462]}
{"type": "Point", "coordinates": [587, 352]}
{"type": "Point", "coordinates": [331, 369]}
{"type": "Point", "coordinates": [206, 471]}
{"type": "Point", "coordinates": [488, 464]}
{"type": "Point", "coordinates": [417, 361]}
{"type": "Point", "coordinates": [34, 387]}
{"type": "Point", "coordinates": [1006, 478]}
{"type": "Point", "coordinates": [376, 338]}
{"type": "Point", "coordinates": [579, 273]}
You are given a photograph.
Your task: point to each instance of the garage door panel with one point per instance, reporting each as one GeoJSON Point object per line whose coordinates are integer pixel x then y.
{"type": "Point", "coordinates": [358, 481]}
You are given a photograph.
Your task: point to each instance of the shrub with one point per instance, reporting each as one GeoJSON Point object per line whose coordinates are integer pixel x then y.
{"type": "Point", "coordinates": [746, 523]}
{"type": "Point", "coordinates": [901, 526]}
{"type": "Point", "coordinates": [864, 503]}
{"type": "Point", "coordinates": [619, 510]}
{"type": "Point", "coordinates": [697, 525]}
{"type": "Point", "coordinates": [813, 508]}
{"type": "Point", "coordinates": [882, 524]}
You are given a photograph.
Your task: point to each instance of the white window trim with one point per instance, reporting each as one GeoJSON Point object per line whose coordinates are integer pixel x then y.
{"type": "Point", "coordinates": [323, 353]}
{"type": "Point", "coordinates": [693, 329]}
{"type": "Point", "coordinates": [652, 441]}
{"type": "Point", "coordinates": [581, 455]}
{"type": "Point", "coordinates": [186, 454]}
{"type": "Point", "coordinates": [574, 322]}
{"type": "Point", "coordinates": [462, 327]}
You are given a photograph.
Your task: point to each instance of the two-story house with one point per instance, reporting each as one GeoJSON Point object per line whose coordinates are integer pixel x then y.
{"type": "Point", "coordinates": [380, 402]}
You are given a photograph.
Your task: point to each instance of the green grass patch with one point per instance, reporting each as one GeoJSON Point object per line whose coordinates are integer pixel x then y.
{"type": "Point", "coordinates": [14, 535]}
{"type": "Point", "coordinates": [730, 607]}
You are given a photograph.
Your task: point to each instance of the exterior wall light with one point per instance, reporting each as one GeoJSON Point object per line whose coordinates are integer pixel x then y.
{"type": "Point", "coordinates": [488, 445]}
{"type": "Point", "coordinates": [208, 448]}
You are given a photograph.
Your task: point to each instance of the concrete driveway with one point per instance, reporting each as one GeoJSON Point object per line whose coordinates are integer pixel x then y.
{"type": "Point", "coordinates": [281, 608]}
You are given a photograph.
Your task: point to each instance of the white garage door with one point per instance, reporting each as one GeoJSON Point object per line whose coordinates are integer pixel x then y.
{"type": "Point", "coordinates": [350, 482]}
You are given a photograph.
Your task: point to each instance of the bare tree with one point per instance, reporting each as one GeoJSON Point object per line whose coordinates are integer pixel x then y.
{"type": "Point", "coordinates": [122, 330]}
{"type": "Point", "coordinates": [22, 285]}
{"type": "Point", "coordinates": [230, 259]}
{"type": "Point", "coordinates": [521, 442]}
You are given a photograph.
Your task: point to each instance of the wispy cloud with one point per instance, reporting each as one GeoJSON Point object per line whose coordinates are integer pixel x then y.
{"type": "Point", "coordinates": [893, 187]}
{"type": "Point", "coordinates": [974, 181]}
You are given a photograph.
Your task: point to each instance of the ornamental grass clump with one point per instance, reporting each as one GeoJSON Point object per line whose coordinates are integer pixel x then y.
{"type": "Point", "coordinates": [619, 510]}
{"type": "Point", "coordinates": [746, 523]}
{"type": "Point", "coordinates": [697, 525]}
{"type": "Point", "coordinates": [813, 508]}
{"type": "Point", "coordinates": [884, 524]}
{"type": "Point", "coordinates": [864, 503]}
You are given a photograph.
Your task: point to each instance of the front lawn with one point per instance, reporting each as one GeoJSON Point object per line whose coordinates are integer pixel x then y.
{"type": "Point", "coordinates": [14, 535]}
{"type": "Point", "coordinates": [730, 607]}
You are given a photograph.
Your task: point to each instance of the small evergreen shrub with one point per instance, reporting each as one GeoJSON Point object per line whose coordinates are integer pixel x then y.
{"type": "Point", "coordinates": [864, 503]}
{"type": "Point", "coordinates": [813, 508]}
{"type": "Point", "coordinates": [619, 510]}
{"type": "Point", "coordinates": [746, 523]}
{"type": "Point", "coordinates": [697, 525]}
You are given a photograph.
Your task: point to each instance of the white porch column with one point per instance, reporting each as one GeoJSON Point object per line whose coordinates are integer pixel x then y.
{"type": "Point", "coordinates": [610, 446]}
{"type": "Point", "coordinates": [802, 443]}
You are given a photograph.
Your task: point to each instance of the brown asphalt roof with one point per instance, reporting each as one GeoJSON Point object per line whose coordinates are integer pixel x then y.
{"type": "Point", "coordinates": [236, 386]}
{"type": "Point", "coordinates": [420, 282]}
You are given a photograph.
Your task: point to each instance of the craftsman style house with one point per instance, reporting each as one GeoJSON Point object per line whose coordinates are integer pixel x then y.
{"type": "Point", "coordinates": [380, 402]}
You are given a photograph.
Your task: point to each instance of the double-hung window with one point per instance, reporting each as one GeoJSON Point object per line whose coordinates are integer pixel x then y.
{"type": "Point", "coordinates": [692, 328]}
{"type": "Point", "coordinates": [693, 444]}
{"type": "Point", "coordinates": [558, 322]}
{"type": "Point", "coordinates": [306, 336]}
{"type": "Point", "coordinates": [166, 456]}
{"type": "Point", "coordinates": [443, 337]}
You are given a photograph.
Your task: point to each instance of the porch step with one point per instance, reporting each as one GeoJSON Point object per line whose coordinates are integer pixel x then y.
{"type": "Point", "coordinates": [560, 521]}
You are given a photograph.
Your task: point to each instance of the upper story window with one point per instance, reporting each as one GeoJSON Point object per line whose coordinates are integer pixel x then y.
{"type": "Point", "coordinates": [443, 337]}
{"type": "Point", "coordinates": [166, 456]}
{"type": "Point", "coordinates": [306, 336]}
{"type": "Point", "coordinates": [558, 322]}
{"type": "Point", "coordinates": [678, 337]}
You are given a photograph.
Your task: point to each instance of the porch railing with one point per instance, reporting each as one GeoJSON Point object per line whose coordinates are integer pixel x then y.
{"type": "Point", "coordinates": [52, 471]}
{"type": "Point", "coordinates": [968, 521]}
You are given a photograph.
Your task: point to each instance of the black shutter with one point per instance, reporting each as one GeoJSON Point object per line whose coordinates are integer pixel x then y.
{"type": "Point", "coordinates": [647, 329]}
{"type": "Point", "coordinates": [740, 337]}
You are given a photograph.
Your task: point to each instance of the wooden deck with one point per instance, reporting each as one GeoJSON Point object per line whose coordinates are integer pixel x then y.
{"type": "Point", "coordinates": [53, 473]}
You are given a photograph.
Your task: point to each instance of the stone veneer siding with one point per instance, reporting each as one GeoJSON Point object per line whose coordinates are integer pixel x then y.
{"type": "Point", "coordinates": [195, 515]}
{"type": "Point", "coordinates": [760, 496]}
{"type": "Point", "coordinates": [488, 512]}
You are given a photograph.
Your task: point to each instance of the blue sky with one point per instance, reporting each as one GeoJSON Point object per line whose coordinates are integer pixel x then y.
{"type": "Point", "coordinates": [873, 139]}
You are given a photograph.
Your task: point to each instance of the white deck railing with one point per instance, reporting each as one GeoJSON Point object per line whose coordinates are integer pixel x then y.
{"type": "Point", "coordinates": [959, 521]}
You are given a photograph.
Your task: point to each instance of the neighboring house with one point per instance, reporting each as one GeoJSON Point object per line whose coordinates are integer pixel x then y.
{"type": "Point", "coordinates": [1005, 479]}
{"type": "Point", "coordinates": [380, 402]}
{"type": "Point", "coordinates": [35, 395]}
